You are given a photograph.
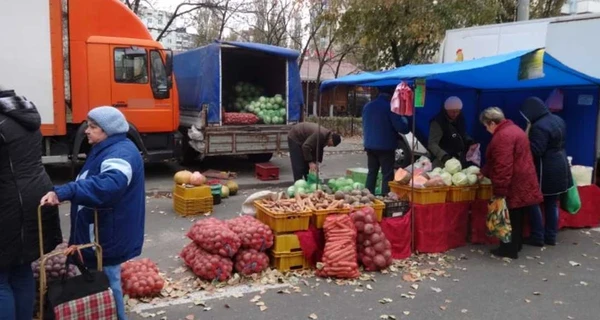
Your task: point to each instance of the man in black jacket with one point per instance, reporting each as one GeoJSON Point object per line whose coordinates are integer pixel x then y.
{"type": "Point", "coordinates": [23, 182]}
{"type": "Point", "coordinates": [306, 142]}
{"type": "Point", "coordinates": [448, 136]}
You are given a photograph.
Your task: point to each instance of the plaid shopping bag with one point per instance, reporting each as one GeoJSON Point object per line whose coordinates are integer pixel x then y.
{"type": "Point", "coordinates": [498, 220]}
{"type": "Point", "coordinates": [84, 297]}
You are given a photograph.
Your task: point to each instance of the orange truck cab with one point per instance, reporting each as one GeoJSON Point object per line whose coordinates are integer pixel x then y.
{"type": "Point", "coordinates": [70, 56]}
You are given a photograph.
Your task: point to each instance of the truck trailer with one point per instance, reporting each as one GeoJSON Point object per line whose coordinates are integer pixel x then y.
{"type": "Point", "coordinates": [69, 56]}
{"type": "Point", "coordinates": [215, 79]}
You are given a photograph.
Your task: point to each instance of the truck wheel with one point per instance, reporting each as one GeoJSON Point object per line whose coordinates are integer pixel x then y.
{"type": "Point", "coordinates": [402, 155]}
{"type": "Point", "coordinates": [260, 157]}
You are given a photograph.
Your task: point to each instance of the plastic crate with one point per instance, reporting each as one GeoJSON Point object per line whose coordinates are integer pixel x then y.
{"type": "Point", "coordinates": [189, 207]}
{"type": "Point", "coordinates": [289, 261]}
{"type": "Point", "coordinates": [398, 189]}
{"type": "Point", "coordinates": [286, 243]}
{"type": "Point", "coordinates": [318, 217]}
{"type": "Point", "coordinates": [462, 194]}
{"type": "Point", "coordinates": [395, 206]}
{"type": "Point", "coordinates": [378, 206]}
{"type": "Point", "coordinates": [484, 192]}
{"type": "Point", "coordinates": [266, 171]}
{"type": "Point", "coordinates": [283, 222]}
{"type": "Point", "coordinates": [432, 195]}
{"type": "Point", "coordinates": [191, 192]}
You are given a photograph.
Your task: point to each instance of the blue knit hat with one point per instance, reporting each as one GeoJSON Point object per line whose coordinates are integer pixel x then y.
{"type": "Point", "coordinates": [110, 119]}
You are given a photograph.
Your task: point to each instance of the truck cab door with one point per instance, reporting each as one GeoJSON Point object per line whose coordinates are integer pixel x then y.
{"type": "Point", "coordinates": [141, 88]}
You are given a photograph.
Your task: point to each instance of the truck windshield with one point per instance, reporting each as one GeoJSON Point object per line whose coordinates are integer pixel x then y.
{"type": "Point", "coordinates": [159, 79]}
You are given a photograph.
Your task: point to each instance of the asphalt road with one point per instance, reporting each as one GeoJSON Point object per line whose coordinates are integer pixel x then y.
{"type": "Point", "coordinates": [559, 282]}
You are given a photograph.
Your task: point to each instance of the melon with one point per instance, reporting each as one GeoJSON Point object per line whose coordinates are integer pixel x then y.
{"type": "Point", "coordinates": [233, 187]}
{"type": "Point", "coordinates": [182, 177]}
{"type": "Point", "coordinates": [224, 192]}
{"type": "Point", "coordinates": [197, 179]}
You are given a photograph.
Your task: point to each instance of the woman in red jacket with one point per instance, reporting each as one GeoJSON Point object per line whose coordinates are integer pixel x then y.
{"type": "Point", "coordinates": [509, 164]}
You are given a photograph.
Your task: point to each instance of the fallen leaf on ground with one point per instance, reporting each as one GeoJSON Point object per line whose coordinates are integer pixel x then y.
{"type": "Point", "coordinates": [447, 301]}
{"type": "Point", "coordinates": [583, 283]}
{"type": "Point", "coordinates": [207, 309]}
{"type": "Point", "coordinates": [190, 317]}
{"type": "Point", "coordinates": [406, 313]}
{"type": "Point", "coordinates": [326, 293]}
{"type": "Point", "coordinates": [558, 302]}
{"type": "Point", "coordinates": [537, 293]}
{"type": "Point", "coordinates": [369, 287]}
{"type": "Point", "coordinates": [527, 300]}
{"type": "Point", "coordinates": [255, 299]}
{"type": "Point", "coordinates": [443, 308]}
{"type": "Point", "coordinates": [415, 286]}
{"type": "Point", "coordinates": [260, 303]}
{"type": "Point", "coordinates": [437, 290]}
{"type": "Point", "coordinates": [313, 316]}
{"type": "Point", "coordinates": [561, 274]}
{"type": "Point", "coordinates": [574, 263]}
{"type": "Point", "coordinates": [464, 310]}
{"type": "Point", "coordinates": [263, 308]}
{"type": "Point", "coordinates": [358, 290]}
{"type": "Point", "coordinates": [385, 300]}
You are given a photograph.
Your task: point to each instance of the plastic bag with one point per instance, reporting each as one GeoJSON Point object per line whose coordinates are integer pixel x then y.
{"type": "Point", "coordinates": [339, 255]}
{"type": "Point", "coordinates": [248, 205]}
{"type": "Point", "coordinates": [253, 233]}
{"type": "Point", "coordinates": [205, 265]}
{"type": "Point", "coordinates": [498, 220]}
{"type": "Point", "coordinates": [555, 100]}
{"type": "Point", "coordinates": [570, 201]}
{"type": "Point", "coordinates": [214, 236]}
{"type": "Point", "coordinates": [474, 154]}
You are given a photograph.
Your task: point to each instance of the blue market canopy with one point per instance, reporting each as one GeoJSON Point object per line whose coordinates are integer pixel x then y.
{"type": "Point", "coordinates": [490, 73]}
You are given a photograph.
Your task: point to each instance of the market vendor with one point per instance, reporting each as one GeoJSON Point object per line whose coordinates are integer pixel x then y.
{"type": "Point", "coordinates": [306, 142]}
{"type": "Point", "coordinates": [448, 136]}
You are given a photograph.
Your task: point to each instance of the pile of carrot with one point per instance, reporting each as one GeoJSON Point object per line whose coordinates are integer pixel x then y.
{"type": "Point", "coordinates": [339, 256]}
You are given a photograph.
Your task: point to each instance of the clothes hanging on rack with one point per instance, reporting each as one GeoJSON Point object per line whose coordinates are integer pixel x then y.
{"type": "Point", "coordinates": [402, 101]}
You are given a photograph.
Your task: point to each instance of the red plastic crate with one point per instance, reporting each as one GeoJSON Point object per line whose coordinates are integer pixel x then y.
{"type": "Point", "coordinates": [266, 171]}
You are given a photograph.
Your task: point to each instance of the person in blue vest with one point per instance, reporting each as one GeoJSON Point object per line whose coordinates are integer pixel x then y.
{"type": "Point", "coordinates": [547, 137]}
{"type": "Point", "coordinates": [381, 128]}
{"type": "Point", "coordinates": [448, 136]}
{"type": "Point", "coordinates": [111, 182]}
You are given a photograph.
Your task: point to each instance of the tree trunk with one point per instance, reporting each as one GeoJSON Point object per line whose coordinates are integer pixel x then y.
{"type": "Point", "coordinates": [395, 54]}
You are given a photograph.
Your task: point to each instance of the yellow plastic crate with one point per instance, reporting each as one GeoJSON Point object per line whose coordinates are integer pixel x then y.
{"type": "Point", "coordinates": [378, 206]}
{"type": "Point", "coordinates": [189, 192]}
{"type": "Point", "coordinates": [396, 188]}
{"type": "Point", "coordinates": [285, 262]}
{"type": "Point", "coordinates": [286, 243]}
{"type": "Point", "coordinates": [462, 194]}
{"type": "Point", "coordinates": [319, 216]}
{"type": "Point", "coordinates": [484, 192]}
{"type": "Point", "coordinates": [189, 207]}
{"type": "Point", "coordinates": [432, 195]}
{"type": "Point", "coordinates": [285, 222]}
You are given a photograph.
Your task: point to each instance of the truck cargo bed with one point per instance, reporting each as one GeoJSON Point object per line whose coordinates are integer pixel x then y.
{"type": "Point", "coordinates": [227, 140]}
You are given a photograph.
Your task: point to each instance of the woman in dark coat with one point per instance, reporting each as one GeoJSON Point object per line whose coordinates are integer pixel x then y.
{"type": "Point", "coordinates": [547, 138]}
{"type": "Point", "coordinates": [23, 182]}
{"type": "Point", "coordinates": [509, 165]}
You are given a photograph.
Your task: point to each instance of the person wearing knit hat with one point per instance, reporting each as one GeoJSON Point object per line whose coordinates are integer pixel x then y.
{"type": "Point", "coordinates": [448, 136]}
{"type": "Point", "coordinates": [111, 182]}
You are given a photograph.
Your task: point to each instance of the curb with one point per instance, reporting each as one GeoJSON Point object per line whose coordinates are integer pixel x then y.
{"type": "Point", "coordinates": [246, 186]}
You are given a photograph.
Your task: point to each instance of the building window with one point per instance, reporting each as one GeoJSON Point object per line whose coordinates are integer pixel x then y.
{"type": "Point", "coordinates": [131, 66]}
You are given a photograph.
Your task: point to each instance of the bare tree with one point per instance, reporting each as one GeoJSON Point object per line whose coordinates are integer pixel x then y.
{"type": "Point", "coordinates": [271, 19]}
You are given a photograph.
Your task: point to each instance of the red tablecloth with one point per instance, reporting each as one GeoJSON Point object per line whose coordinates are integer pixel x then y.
{"type": "Point", "coordinates": [589, 215]}
{"type": "Point", "coordinates": [479, 211]}
{"type": "Point", "coordinates": [398, 231]}
{"type": "Point", "coordinates": [441, 227]}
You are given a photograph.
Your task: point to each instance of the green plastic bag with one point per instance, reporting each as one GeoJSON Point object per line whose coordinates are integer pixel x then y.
{"type": "Point", "coordinates": [570, 201]}
{"type": "Point", "coordinates": [311, 178]}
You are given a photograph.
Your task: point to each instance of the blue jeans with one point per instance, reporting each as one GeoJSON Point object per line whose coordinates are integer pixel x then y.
{"type": "Point", "coordinates": [114, 279]}
{"type": "Point", "coordinates": [17, 293]}
{"type": "Point", "coordinates": [547, 233]}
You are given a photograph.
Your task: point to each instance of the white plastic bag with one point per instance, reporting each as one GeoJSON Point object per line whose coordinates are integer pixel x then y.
{"type": "Point", "coordinates": [248, 205]}
{"type": "Point", "coordinates": [474, 154]}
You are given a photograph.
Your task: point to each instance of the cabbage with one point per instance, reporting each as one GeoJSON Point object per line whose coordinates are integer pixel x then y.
{"type": "Point", "coordinates": [347, 189]}
{"type": "Point", "coordinates": [447, 178]}
{"type": "Point", "coordinates": [358, 186]}
{"type": "Point", "coordinates": [485, 181]}
{"type": "Point", "coordinates": [452, 166]}
{"type": "Point", "coordinates": [433, 174]}
{"type": "Point", "coordinates": [300, 183]}
{"type": "Point", "coordinates": [437, 170]}
{"type": "Point", "coordinates": [313, 187]}
{"type": "Point", "coordinates": [291, 191]}
{"type": "Point", "coordinates": [459, 179]}
{"type": "Point", "coordinates": [472, 170]}
{"type": "Point", "coordinates": [300, 190]}
{"type": "Point", "coordinates": [471, 179]}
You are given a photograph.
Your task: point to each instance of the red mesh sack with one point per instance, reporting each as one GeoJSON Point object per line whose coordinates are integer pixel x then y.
{"type": "Point", "coordinates": [339, 255]}
{"type": "Point", "coordinates": [214, 236]}
{"type": "Point", "coordinates": [205, 265]}
{"type": "Point", "coordinates": [250, 261]}
{"type": "Point", "coordinates": [374, 249]}
{"type": "Point", "coordinates": [253, 233]}
{"type": "Point", "coordinates": [140, 278]}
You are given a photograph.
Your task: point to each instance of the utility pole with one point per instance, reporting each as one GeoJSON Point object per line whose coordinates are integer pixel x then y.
{"type": "Point", "coordinates": [523, 10]}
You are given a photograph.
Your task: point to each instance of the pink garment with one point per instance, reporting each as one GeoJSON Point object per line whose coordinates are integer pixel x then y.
{"type": "Point", "coordinates": [402, 101]}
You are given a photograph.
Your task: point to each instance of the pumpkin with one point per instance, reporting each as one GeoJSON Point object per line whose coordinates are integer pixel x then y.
{"type": "Point", "coordinates": [197, 179]}
{"type": "Point", "coordinates": [182, 177]}
{"type": "Point", "coordinates": [233, 187]}
{"type": "Point", "coordinates": [224, 192]}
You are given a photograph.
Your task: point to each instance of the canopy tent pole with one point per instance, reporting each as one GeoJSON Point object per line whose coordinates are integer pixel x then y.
{"type": "Point", "coordinates": [412, 185]}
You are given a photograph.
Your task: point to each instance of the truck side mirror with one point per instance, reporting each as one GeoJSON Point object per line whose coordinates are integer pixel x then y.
{"type": "Point", "coordinates": [169, 62]}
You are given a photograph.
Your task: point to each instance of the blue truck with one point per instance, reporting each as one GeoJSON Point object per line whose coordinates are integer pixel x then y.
{"type": "Point", "coordinates": [209, 80]}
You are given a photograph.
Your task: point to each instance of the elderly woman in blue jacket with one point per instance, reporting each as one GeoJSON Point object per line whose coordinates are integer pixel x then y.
{"type": "Point", "coordinates": [547, 137]}
{"type": "Point", "coordinates": [111, 182]}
